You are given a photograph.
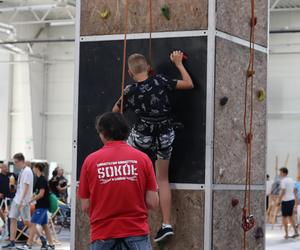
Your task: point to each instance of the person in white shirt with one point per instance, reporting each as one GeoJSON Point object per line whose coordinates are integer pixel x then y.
{"type": "Point", "coordinates": [288, 200]}
{"type": "Point", "coordinates": [20, 205]}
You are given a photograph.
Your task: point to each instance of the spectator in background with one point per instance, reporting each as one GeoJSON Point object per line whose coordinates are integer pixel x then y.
{"type": "Point", "coordinates": [7, 182]}
{"type": "Point", "coordinates": [288, 199]}
{"type": "Point", "coordinates": [269, 185]}
{"type": "Point", "coordinates": [276, 185]}
{"type": "Point", "coordinates": [53, 183]}
{"type": "Point", "coordinates": [4, 181]}
{"type": "Point", "coordinates": [20, 205]}
{"type": "Point", "coordinates": [62, 185]}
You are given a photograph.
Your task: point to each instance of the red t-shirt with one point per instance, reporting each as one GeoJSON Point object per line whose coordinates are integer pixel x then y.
{"type": "Point", "coordinates": [116, 179]}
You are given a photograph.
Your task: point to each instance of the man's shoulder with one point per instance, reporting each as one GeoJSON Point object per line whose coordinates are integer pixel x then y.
{"type": "Point", "coordinates": [41, 180]}
{"type": "Point", "coordinates": [291, 180]}
{"type": "Point", "coordinates": [27, 170]}
{"type": "Point", "coordinates": [93, 156]}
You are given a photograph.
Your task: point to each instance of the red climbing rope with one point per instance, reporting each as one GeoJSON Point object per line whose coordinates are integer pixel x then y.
{"type": "Point", "coordinates": [248, 220]}
{"type": "Point", "coordinates": [150, 32]}
{"type": "Point", "coordinates": [124, 55]}
{"type": "Point", "coordinates": [125, 47]}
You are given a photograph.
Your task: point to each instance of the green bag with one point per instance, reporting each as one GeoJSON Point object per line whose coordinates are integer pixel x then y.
{"type": "Point", "coordinates": [53, 201]}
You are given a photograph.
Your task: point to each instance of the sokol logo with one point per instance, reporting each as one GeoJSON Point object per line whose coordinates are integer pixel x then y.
{"type": "Point", "coordinates": [117, 171]}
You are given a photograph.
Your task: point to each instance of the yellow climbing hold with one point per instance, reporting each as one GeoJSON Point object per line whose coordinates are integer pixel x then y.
{"type": "Point", "coordinates": [105, 13]}
{"type": "Point", "coordinates": [261, 95]}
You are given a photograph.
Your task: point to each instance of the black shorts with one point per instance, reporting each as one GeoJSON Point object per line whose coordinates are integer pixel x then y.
{"type": "Point", "coordinates": [287, 208]}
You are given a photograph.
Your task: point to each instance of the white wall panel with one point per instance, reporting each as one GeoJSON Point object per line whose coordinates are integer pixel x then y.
{"type": "Point", "coordinates": [284, 94]}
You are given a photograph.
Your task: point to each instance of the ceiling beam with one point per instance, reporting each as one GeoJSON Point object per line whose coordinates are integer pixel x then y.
{"type": "Point", "coordinates": [59, 22]}
{"type": "Point", "coordinates": [285, 9]}
{"type": "Point", "coordinates": [274, 4]}
{"type": "Point", "coordinates": [28, 7]}
{"type": "Point", "coordinates": [33, 7]}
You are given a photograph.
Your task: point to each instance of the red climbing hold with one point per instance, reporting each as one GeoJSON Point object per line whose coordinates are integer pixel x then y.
{"type": "Point", "coordinates": [185, 57]}
{"type": "Point", "coordinates": [234, 202]}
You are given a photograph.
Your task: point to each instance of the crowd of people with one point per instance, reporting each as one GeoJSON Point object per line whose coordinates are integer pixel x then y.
{"type": "Point", "coordinates": [25, 197]}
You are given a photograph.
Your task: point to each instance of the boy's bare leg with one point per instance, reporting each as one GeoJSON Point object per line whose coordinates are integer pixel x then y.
{"type": "Point", "coordinates": [31, 234]}
{"type": "Point", "coordinates": [48, 234]}
{"type": "Point", "coordinates": [292, 221]}
{"type": "Point", "coordinates": [13, 229]}
{"type": "Point", "coordinates": [162, 175]}
{"type": "Point", "coordinates": [285, 225]}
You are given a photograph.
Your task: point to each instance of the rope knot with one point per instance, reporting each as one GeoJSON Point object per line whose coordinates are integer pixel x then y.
{"type": "Point", "coordinates": [249, 138]}
{"type": "Point", "coordinates": [248, 221]}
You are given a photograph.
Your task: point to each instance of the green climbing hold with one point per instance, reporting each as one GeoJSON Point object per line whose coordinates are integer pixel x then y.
{"type": "Point", "coordinates": [261, 95]}
{"type": "Point", "coordinates": [166, 12]}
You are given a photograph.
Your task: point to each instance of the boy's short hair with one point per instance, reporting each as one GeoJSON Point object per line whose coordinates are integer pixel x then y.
{"type": "Point", "coordinates": [19, 157]}
{"type": "Point", "coordinates": [113, 126]}
{"type": "Point", "coordinates": [137, 63]}
{"type": "Point", "coordinates": [284, 170]}
{"type": "Point", "coordinates": [39, 166]}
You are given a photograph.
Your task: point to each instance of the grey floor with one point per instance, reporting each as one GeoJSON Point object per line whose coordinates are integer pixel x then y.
{"type": "Point", "coordinates": [64, 238]}
{"type": "Point", "coordinates": [275, 240]}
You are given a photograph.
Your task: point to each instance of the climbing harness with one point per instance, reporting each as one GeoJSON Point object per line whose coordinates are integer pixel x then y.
{"type": "Point", "coordinates": [248, 221]}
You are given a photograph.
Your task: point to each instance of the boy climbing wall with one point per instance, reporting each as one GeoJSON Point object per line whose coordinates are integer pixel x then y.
{"type": "Point", "coordinates": [148, 98]}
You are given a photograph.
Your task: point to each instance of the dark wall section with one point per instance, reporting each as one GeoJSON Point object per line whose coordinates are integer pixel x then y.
{"type": "Point", "coordinates": [100, 86]}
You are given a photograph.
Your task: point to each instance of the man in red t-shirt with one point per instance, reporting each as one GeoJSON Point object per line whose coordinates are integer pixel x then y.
{"type": "Point", "coordinates": [117, 186]}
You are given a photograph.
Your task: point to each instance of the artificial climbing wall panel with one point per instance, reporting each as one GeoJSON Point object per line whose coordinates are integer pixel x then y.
{"type": "Point", "coordinates": [184, 15]}
{"type": "Point", "coordinates": [82, 232]}
{"type": "Point", "coordinates": [227, 220]}
{"type": "Point", "coordinates": [229, 140]}
{"type": "Point", "coordinates": [187, 218]}
{"type": "Point", "coordinates": [233, 17]}
{"type": "Point", "coordinates": [100, 87]}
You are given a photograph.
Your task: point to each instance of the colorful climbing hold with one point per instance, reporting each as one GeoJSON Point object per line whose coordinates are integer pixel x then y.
{"type": "Point", "coordinates": [259, 233]}
{"type": "Point", "coordinates": [166, 12]}
{"type": "Point", "coordinates": [261, 95]}
{"type": "Point", "coordinates": [105, 13]}
{"type": "Point", "coordinates": [224, 101]}
{"type": "Point", "coordinates": [234, 202]}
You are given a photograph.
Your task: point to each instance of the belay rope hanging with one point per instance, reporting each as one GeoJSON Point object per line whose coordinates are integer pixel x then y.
{"type": "Point", "coordinates": [124, 55]}
{"type": "Point", "coordinates": [248, 221]}
{"type": "Point", "coordinates": [125, 47]}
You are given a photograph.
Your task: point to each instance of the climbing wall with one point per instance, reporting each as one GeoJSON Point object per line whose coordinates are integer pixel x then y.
{"type": "Point", "coordinates": [231, 61]}
{"type": "Point", "coordinates": [207, 170]}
